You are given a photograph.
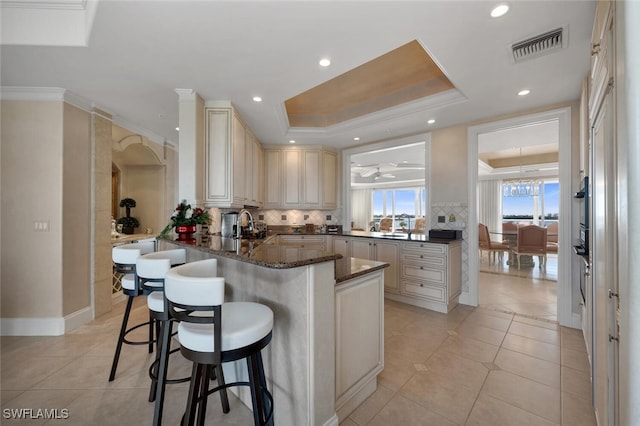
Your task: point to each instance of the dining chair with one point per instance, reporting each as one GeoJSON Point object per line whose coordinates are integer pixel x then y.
{"type": "Point", "coordinates": [552, 237]}
{"type": "Point", "coordinates": [386, 224]}
{"type": "Point", "coordinates": [485, 243]}
{"type": "Point", "coordinates": [532, 241]}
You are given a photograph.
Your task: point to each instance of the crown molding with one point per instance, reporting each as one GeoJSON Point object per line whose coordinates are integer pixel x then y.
{"type": "Point", "coordinates": [154, 137]}
{"type": "Point", "coordinates": [45, 4]}
{"type": "Point", "coordinates": [45, 94]}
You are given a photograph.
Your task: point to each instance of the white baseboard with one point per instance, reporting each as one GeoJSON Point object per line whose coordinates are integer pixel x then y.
{"type": "Point", "coordinates": [576, 321]}
{"type": "Point", "coordinates": [465, 299]}
{"type": "Point", "coordinates": [48, 326]}
{"type": "Point", "coordinates": [77, 318]}
{"type": "Point", "coordinates": [333, 421]}
{"type": "Point", "coordinates": [51, 326]}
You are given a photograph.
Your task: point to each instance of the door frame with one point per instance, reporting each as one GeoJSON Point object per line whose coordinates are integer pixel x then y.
{"type": "Point", "coordinates": [565, 298]}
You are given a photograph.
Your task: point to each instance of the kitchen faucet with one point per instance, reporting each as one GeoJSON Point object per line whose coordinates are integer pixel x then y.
{"type": "Point", "coordinates": [239, 222]}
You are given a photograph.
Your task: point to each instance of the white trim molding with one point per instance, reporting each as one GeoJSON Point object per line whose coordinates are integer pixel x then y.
{"type": "Point", "coordinates": [563, 115]}
{"type": "Point", "coordinates": [47, 326]}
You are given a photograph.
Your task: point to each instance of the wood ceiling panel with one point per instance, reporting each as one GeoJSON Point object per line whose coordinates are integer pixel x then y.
{"type": "Point", "coordinates": [402, 75]}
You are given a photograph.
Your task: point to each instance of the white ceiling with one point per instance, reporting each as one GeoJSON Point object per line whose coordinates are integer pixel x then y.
{"type": "Point", "coordinates": [140, 51]}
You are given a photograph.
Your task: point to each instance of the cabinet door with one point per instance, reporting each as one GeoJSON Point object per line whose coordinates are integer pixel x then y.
{"type": "Point", "coordinates": [292, 179]}
{"type": "Point", "coordinates": [341, 245]}
{"type": "Point", "coordinates": [362, 248]}
{"type": "Point", "coordinates": [273, 178]}
{"type": "Point", "coordinates": [329, 180]}
{"type": "Point", "coordinates": [311, 178]}
{"type": "Point", "coordinates": [218, 156]}
{"type": "Point", "coordinates": [248, 169]}
{"type": "Point", "coordinates": [239, 195]}
{"type": "Point", "coordinates": [389, 252]}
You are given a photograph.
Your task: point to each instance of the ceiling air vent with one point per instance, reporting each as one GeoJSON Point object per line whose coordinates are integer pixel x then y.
{"type": "Point", "coordinates": [539, 45]}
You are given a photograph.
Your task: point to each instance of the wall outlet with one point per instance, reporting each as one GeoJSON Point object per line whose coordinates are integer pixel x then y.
{"type": "Point", "coordinates": [441, 219]}
{"type": "Point", "coordinates": [306, 217]}
{"type": "Point", "coordinates": [283, 217]}
{"type": "Point", "coordinates": [328, 217]}
{"type": "Point", "coordinates": [260, 217]}
{"type": "Point", "coordinates": [41, 226]}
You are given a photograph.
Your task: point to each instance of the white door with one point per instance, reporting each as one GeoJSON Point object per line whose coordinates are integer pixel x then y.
{"type": "Point", "coordinates": [604, 263]}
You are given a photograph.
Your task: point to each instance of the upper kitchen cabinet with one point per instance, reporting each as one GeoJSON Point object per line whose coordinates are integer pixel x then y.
{"type": "Point", "coordinates": [300, 177]}
{"type": "Point", "coordinates": [232, 159]}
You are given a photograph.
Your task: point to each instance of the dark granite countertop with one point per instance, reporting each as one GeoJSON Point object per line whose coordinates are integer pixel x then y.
{"type": "Point", "coordinates": [260, 252]}
{"type": "Point", "coordinates": [396, 236]}
{"type": "Point", "coordinates": [350, 267]}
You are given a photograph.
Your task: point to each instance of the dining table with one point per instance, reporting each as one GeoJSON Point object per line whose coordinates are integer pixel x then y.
{"type": "Point", "coordinates": [510, 238]}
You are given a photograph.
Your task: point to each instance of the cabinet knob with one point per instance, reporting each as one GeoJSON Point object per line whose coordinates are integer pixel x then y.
{"type": "Point", "coordinates": [422, 267]}
{"type": "Point", "coordinates": [612, 294]}
{"type": "Point", "coordinates": [612, 338]}
{"type": "Point", "coordinates": [421, 285]}
{"type": "Point", "coordinates": [421, 257]}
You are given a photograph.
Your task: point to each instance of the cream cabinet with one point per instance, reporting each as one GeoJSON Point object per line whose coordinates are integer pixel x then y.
{"type": "Point", "coordinates": [300, 177]}
{"type": "Point", "coordinates": [231, 156]}
{"type": "Point", "coordinates": [372, 249]}
{"type": "Point", "coordinates": [430, 275]}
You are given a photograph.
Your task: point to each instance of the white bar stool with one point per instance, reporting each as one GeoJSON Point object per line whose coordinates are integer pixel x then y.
{"type": "Point", "coordinates": [151, 269]}
{"type": "Point", "coordinates": [212, 332]}
{"type": "Point", "coordinates": [124, 259]}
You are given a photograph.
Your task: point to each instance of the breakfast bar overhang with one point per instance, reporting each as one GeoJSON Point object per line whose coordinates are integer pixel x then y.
{"type": "Point", "coordinates": [323, 305]}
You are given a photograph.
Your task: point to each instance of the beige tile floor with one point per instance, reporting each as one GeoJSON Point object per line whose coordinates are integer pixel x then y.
{"type": "Point", "coordinates": [471, 367]}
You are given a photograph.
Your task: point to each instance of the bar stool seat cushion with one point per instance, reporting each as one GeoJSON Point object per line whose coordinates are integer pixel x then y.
{"type": "Point", "coordinates": [243, 323]}
{"type": "Point", "coordinates": [155, 301]}
{"type": "Point", "coordinates": [128, 282]}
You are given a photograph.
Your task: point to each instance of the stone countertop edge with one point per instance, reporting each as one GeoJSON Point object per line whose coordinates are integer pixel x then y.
{"type": "Point", "coordinates": [351, 267]}
{"type": "Point", "coordinates": [256, 261]}
{"type": "Point", "coordinates": [418, 238]}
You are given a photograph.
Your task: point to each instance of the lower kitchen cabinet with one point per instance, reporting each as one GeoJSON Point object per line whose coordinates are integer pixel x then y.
{"type": "Point", "coordinates": [430, 275]}
{"type": "Point", "coordinates": [372, 249]}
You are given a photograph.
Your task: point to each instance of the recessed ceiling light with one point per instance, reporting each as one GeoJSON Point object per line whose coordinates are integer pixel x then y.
{"type": "Point", "coordinates": [499, 10]}
{"type": "Point", "coordinates": [325, 62]}
{"type": "Point", "coordinates": [356, 138]}
{"type": "Point", "coordinates": [431, 121]}
{"type": "Point", "coordinates": [257, 99]}
{"type": "Point", "coordinates": [292, 141]}
{"type": "Point", "coordinates": [524, 92]}
{"type": "Point", "coordinates": [177, 129]}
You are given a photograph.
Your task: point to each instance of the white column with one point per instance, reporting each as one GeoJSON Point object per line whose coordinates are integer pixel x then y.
{"type": "Point", "coordinates": [190, 146]}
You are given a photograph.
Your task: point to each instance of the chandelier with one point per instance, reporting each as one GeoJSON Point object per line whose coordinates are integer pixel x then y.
{"type": "Point", "coordinates": [521, 187]}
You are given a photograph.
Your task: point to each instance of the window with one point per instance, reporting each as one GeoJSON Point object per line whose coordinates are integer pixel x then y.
{"type": "Point", "coordinates": [402, 205]}
{"type": "Point", "coordinates": [540, 209]}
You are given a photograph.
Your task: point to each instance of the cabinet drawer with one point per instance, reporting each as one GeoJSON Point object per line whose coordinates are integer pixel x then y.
{"type": "Point", "coordinates": [421, 259]}
{"type": "Point", "coordinates": [426, 248]}
{"type": "Point", "coordinates": [434, 275]}
{"type": "Point", "coordinates": [301, 239]}
{"type": "Point", "coordinates": [425, 291]}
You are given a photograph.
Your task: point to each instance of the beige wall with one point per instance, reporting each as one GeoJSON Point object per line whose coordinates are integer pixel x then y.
{"type": "Point", "coordinates": [76, 210]}
{"type": "Point", "coordinates": [32, 178]}
{"type": "Point", "coordinates": [449, 165]}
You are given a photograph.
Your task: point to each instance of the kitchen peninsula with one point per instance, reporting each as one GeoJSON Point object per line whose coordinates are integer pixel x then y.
{"type": "Point", "coordinates": [328, 317]}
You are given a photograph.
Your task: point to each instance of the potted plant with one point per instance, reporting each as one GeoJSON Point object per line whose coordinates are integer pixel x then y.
{"type": "Point", "coordinates": [185, 219]}
{"type": "Point", "coordinates": [128, 223]}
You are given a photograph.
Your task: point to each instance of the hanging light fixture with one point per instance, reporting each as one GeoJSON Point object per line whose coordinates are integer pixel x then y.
{"type": "Point", "coordinates": [520, 187]}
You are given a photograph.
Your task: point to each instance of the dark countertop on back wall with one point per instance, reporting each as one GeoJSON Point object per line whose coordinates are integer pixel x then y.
{"type": "Point", "coordinates": [269, 254]}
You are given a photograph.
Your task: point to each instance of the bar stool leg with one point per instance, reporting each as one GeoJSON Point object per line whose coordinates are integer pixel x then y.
{"type": "Point", "coordinates": [224, 399]}
{"type": "Point", "coordinates": [204, 387]}
{"type": "Point", "coordinates": [123, 330]}
{"type": "Point", "coordinates": [161, 372]}
{"type": "Point", "coordinates": [256, 391]}
{"type": "Point", "coordinates": [192, 399]}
